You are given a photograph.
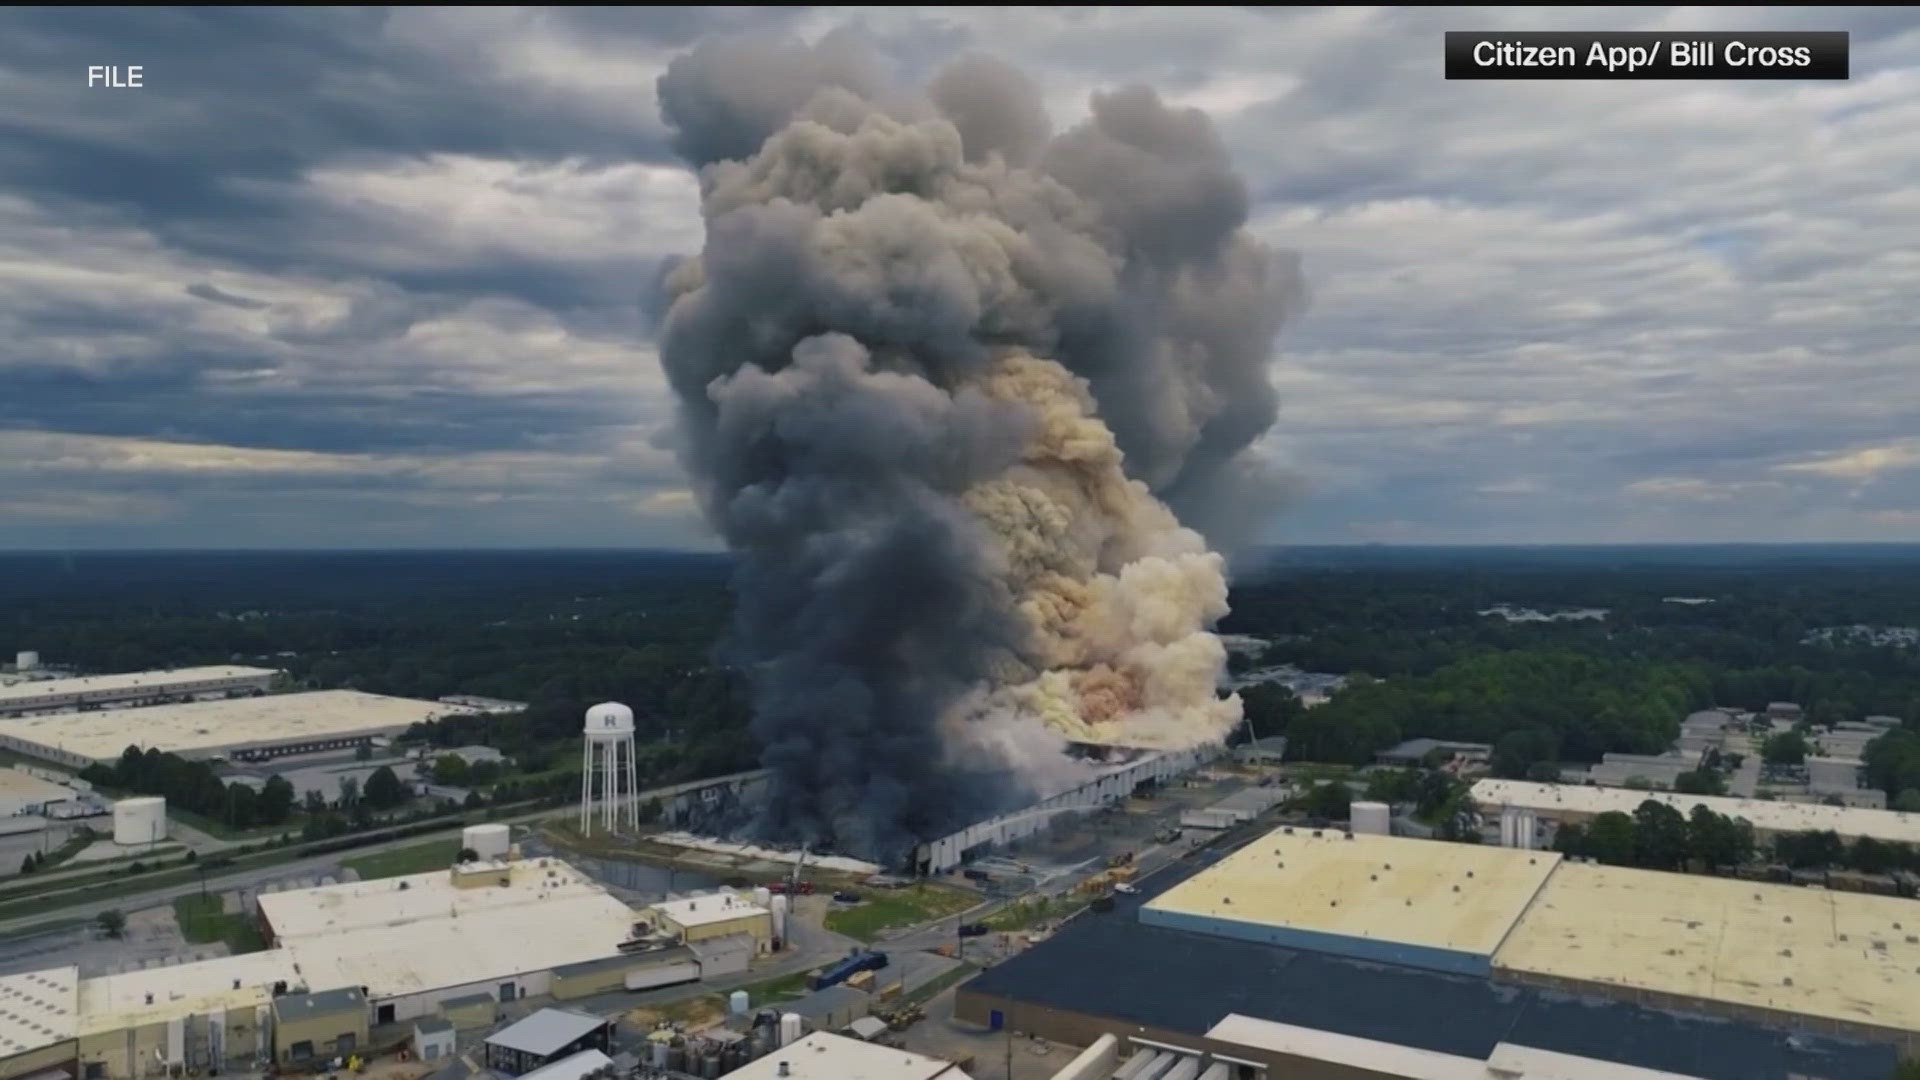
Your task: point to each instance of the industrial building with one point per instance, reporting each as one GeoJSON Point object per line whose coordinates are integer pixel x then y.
{"type": "Point", "coordinates": [1566, 803]}
{"type": "Point", "coordinates": [254, 728]}
{"type": "Point", "coordinates": [1118, 782]}
{"type": "Point", "coordinates": [1414, 751]}
{"type": "Point", "coordinates": [347, 960]}
{"type": "Point", "coordinates": [825, 1056]}
{"type": "Point", "coordinates": [546, 1037]}
{"type": "Point", "coordinates": [52, 696]}
{"type": "Point", "coordinates": [22, 792]}
{"type": "Point", "coordinates": [1400, 901]}
{"type": "Point", "coordinates": [1334, 956]}
{"type": "Point", "coordinates": [722, 914]}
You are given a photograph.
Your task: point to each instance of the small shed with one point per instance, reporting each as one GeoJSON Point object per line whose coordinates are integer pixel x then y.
{"type": "Point", "coordinates": [544, 1038]}
{"type": "Point", "coordinates": [433, 1039]}
{"type": "Point", "coordinates": [867, 1028]}
{"type": "Point", "coordinates": [831, 1009]}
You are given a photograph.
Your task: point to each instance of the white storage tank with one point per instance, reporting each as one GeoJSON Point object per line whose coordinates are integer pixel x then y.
{"type": "Point", "coordinates": [763, 897]}
{"type": "Point", "coordinates": [139, 821]}
{"type": "Point", "coordinates": [790, 1029]}
{"type": "Point", "coordinates": [1372, 818]}
{"type": "Point", "coordinates": [737, 1003]}
{"type": "Point", "coordinates": [779, 910]}
{"type": "Point", "coordinates": [27, 661]}
{"type": "Point", "coordinates": [489, 841]}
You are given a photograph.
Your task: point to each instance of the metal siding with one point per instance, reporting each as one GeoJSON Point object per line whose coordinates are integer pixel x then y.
{"type": "Point", "coordinates": [1389, 952]}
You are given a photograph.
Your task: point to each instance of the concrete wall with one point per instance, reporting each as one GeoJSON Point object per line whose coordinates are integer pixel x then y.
{"type": "Point", "coordinates": [427, 1002]}
{"type": "Point", "coordinates": [758, 926]}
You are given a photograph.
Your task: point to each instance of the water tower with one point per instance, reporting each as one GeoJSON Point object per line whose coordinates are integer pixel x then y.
{"type": "Point", "coordinates": [610, 780]}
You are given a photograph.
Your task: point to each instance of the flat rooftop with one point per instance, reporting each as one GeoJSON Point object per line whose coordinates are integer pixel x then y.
{"type": "Point", "coordinates": [1507, 1059]}
{"type": "Point", "coordinates": [1110, 965]}
{"type": "Point", "coordinates": [1818, 952]}
{"type": "Point", "coordinates": [15, 784]}
{"type": "Point", "coordinates": [204, 726]}
{"type": "Point", "coordinates": [419, 932]}
{"type": "Point", "coordinates": [825, 1056]}
{"type": "Point", "coordinates": [38, 1008]}
{"type": "Point", "coordinates": [26, 693]}
{"type": "Point", "coordinates": [547, 1031]}
{"type": "Point", "coordinates": [712, 908]}
{"type": "Point", "coordinates": [1767, 816]}
{"type": "Point", "coordinates": [1457, 897]}
{"type": "Point", "coordinates": [151, 995]}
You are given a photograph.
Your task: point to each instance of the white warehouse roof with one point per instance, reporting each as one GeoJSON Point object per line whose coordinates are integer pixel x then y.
{"type": "Point", "coordinates": [410, 934]}
{"type": "Point", "coordinates": [23, 695]}
{"type": "Point", "coordinates": [824, 1056]}
{"type": "Point", "coordinates": [202, 727]}
{"type": "Point", "coordinates": [38, 1008]}
{"type": "Point", "coordinates": [713, 908]}
{"type": "Point", "coordinates": [1765, 815]}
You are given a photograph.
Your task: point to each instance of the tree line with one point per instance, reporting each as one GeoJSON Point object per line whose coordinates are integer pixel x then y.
{"type": "Point", "coordinates": [1657, 836]}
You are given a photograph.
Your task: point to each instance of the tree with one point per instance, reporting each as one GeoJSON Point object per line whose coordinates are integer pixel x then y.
{"type": "Point", "coordinates": [363, 752]}
{"type": "Point", "coordinates": [451, 770]}
{"type": "Point", "coordinates": [112, 923]}
{"type": "Point", "coordinates": [275, 804]}
{"type": "Point", "coordinates": [467, 855]}
{"type": "Point", "coordinates": [482, 773]}
{"type": "Point", "coordinates": [314, 803]}
{"type": "Point", "coordinates": [1570, 840]}
{"type": "Point", "coordinates": [1786, 748]}
{"type": "Point", "coordinates": [1659, 836]}
{"type": "Point", "coordinates": [1908, 801]}
{"type": "Point", "coordinates": [1700, 782]}
{"type": "Point", "coordinates": [349, 792]}
{"type": "Point", "coordinates": [1610, 838]}
{"type": "Point", "coordinates": [1517, 752]}
{"type": "Point", "coordinates": [1330, 800]}
{"type": "Point", "coordinates": [29, 864]}
{"type": "Point", "coordinates": [1870, 856]}
{"type": "Point", "coordinates": [384, 790]}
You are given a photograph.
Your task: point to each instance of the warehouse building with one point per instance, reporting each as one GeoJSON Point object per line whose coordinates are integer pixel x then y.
{"type": "Point", "coordinates": [722, 914]}
{"type": "Point", "coordinates": [1329, 957]}
{"type": "Point", "coordinates": [51, 696]}
{"type": "Point", "coordinates": [1569, 803]}
{"type": "Point", "coordinates": [546, 1037]}
{"type": "Point", "coordinates": [39, 1022]}
{"type": "Point", "coordinates": [212, 1014]}
{"type": "Point", "coordinates": [1840, 963]}
{"type": "Point", "coordinates": [825, 1056]}
{"type": "Point", "coordinates": [255, 728]}
{"type": "Point", "coordinates": [1395, 900]}
{"type": "Point", "coordinates": [24, 793]}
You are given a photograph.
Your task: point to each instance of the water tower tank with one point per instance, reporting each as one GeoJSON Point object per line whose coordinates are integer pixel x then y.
{"type": "Point", "coordinates": [1372, 818]}
{"type": "Point", "coordinates": [27, 661]}
{"type": "Point", "coordinates": [610, 720]}
{"type": "Point", "coordinates": [489, 841]}
{"type": "Point", "coordinates": [139, 821]}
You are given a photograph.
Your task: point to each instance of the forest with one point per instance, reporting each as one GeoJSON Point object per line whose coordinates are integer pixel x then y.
{"type": "Point", "coordinates": [561, 630]}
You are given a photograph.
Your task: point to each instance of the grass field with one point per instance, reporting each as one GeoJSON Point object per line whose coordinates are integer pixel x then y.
{"type": "Point", "coordinates": [414, 859]}
{"type": "Point", "coordinates": [1026, 914]}
{"type": "Point", "coordinates": [202, 920]}
{"type": "Point", "coordinates": [886, 909]}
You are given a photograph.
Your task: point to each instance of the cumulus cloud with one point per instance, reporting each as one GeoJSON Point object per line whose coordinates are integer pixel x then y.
{"type": "Point", "coordinates": [426, 231]}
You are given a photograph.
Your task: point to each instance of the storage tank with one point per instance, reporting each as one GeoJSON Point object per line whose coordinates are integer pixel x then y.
{"type": "Point", "coordinates": [790, 1029]}
{"type": "Point", "coordinates": [779, 910]}
{"type": "Point", "coordinates": [737, 1003]}
{"type": "Point", "coordinates": [762, 897]}
{"type": "Point", "coordinates": [27, 661]}
{"type": "Point", "coordinates": [1372, 818]}
{"type": "Point", "coordinates": [489, 841]}
{"type": "Point", "coordinates": [139, 821]}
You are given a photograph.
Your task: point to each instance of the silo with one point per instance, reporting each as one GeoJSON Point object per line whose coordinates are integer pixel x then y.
{"type": "Point", "coordinates": [139, 821]}
{"type": "Point", "coordinates": [762, 897]}
{"type": "Point", "coordinates": [1372, 818]}
{"type": "Point", "coordinates": [790, 1029]}
{"type": "Point", "coordinates": [27, 661]}
{"type": "Point", "coordinates": [779, 910]}
{"type": "Point", "coordinates": [489, 841]}
{"type": "Point", "coordinates": [737, 1003]}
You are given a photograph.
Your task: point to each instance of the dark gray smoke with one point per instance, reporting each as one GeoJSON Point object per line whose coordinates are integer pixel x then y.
{"type": "Point", "coordinates": [877, 266]}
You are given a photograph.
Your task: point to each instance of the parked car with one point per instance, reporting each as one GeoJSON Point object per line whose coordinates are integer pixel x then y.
{"type": "Point", "coordinates": [1123, 887]}
{"type": "Point", "coordinates": [973, 929]}
{"type": "Point", "coordinates": [847, 897]}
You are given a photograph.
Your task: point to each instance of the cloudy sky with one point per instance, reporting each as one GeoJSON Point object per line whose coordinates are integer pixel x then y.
{"type": "Point", "coordinates": [347, 278]}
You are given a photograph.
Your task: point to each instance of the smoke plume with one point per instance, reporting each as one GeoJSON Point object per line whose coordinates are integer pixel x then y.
{"type": "Point", "coordinates": [945, 378]}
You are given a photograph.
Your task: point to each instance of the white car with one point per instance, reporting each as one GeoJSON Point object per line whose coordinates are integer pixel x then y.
{"type": "Point", "coordinates": [1123, 887]}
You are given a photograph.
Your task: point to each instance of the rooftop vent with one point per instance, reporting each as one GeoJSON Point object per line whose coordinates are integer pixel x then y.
{"type": "Point", "coordinates": [1788, 981]}
{"type": "Point", "coordinates": [1469, 873]}
{"type": "Point", "coordinates": [1786, 918]}
{"type": "Point", "coordinates": [1456, 888]}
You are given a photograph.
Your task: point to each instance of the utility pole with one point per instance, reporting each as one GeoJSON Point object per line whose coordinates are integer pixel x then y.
{"type": "Point", "coordinates": [1009, 1052]}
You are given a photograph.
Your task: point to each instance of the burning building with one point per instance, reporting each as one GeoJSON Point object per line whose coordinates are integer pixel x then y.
{"type": "Point", "coordinates": [975, 405]}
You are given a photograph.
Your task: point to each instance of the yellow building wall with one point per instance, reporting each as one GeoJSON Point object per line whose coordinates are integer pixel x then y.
{"type": "Point", "coordinates": [760, 926]}
{"type": "Point", "coordinates": [60, 1053]}
{"type": "Point", "coordinates": [322, 1031]}
{"type": "Point", "coordinates": [131, 1053]}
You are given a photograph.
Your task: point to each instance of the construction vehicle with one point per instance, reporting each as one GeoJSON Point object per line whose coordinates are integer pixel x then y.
{"type": "Point", "coordinates": [1121, 859]}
